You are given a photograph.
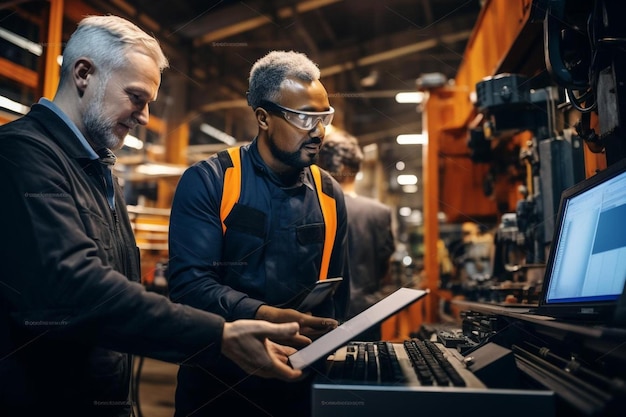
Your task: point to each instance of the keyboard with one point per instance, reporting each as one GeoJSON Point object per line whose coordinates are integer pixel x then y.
{"type": "Point", "coordinates": [415, 376]}
{"type": "Point", "coordinates": [415, 362]}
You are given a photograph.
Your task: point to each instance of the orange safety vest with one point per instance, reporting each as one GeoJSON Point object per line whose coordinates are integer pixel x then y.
{"type": "Point", "coordinates": [232, 190]}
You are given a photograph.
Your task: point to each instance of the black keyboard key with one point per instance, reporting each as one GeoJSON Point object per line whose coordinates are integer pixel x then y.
{"type": "Point", "coordinates": [348, 367]}
{"type": "Point", "coordinates": [359, 366]}
{"type": "Point", "coordinates": [377, 363]}
{"type": "Point", "coordinates": [390, 370]}
{"type": "Point", "coordinates": [422, 370]}
{"type": "Point", "coordinates": [427, 362]}
{"type": "Point", "coordinates": [445, 365]}
{"type": "Point", "coordinates": [372, 363]}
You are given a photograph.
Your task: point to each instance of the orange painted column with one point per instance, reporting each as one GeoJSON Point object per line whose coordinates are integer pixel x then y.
{"type": "Point", "coordinates": [176, 144]}
{"type": "Point", "coordinates": [53, 49]}
{"type": "Point", "coordinates": [449, 110]}
{"type": "Point", "coordinates": [430, 152]}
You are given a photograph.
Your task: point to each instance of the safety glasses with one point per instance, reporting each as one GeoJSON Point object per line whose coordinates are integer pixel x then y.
{"type": "Point", "coordinates": [305, 120]}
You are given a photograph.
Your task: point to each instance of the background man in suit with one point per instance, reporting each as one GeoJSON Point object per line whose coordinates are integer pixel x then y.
{"type": "Point", "coordinates": [370, 238]}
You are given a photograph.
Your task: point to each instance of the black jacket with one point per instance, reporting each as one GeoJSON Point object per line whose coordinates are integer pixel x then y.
{"type": "Point", "coordinates": [70, 297]}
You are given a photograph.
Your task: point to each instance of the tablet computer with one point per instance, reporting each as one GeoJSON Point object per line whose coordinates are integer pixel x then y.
{"type": "Point", "coordinates": [349, 330]}
{"type": "Point", "coordinates": [321, 291]}
{"type": "Point", "coordinates": [305, 300]}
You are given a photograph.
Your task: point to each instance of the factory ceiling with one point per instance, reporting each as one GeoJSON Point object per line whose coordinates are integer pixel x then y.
{"type": "Point", "coordinates": [367, 50]}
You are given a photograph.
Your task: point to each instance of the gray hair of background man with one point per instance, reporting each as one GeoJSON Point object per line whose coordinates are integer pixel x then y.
{"type": "Point", "coordinates": [341, 155]}
{"type": "Point", "coordinates": [106, 40]}
{"type": "Point", "coordinates": [268, 73]}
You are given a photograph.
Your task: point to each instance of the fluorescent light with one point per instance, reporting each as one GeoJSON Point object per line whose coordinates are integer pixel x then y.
{"type": "Point", "coordinates": [133, 142]}
{"type": "Point", "coordinates": [405, 211]}
{"type": "Point", "coordinates": [159, 169]}
{"type": "Point", "coordinates": [410, 189]}
{"type": "Point", "coordinates": [13, 105]}
{"type": "Point", "coordinates": [32, 47]}
{"type": "Point", "coordinates": [370, 80]}
{"type": "Point", "coordinates": [410, 97]}
{"type": "Point", "coordinates": [407, 179]}
{"type": "Point", "coordinates": [217, 134]}
{"type": "Point", "coordinates": [412, 139]}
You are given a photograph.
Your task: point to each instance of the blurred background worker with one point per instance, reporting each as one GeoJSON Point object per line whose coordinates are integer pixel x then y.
{"type": "Point", "coordinates": [370, 237]}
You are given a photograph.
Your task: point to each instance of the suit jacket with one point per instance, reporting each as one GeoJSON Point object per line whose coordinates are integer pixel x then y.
{"type": "Point", "coordinates": [370, 246]}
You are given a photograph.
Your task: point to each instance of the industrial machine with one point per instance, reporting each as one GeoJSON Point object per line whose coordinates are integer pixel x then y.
{"type": "Point", "coordinates": [537, 107]}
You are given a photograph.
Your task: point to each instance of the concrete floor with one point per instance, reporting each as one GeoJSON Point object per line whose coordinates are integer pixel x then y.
{"type": "Point", "coordinates": [156, 388]}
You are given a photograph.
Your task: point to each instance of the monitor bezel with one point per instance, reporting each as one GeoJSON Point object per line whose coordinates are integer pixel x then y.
{"type": "Point", "coordinates": [580, 311]}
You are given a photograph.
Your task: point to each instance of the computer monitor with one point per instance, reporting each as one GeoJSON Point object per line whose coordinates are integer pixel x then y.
{"type": "Point", "coordinates": [586, 268]}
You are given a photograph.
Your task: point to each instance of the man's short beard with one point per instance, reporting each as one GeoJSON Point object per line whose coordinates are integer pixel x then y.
{"type": "Point", "coordinates": [99, 129]}
{"type": "Point", "coordinates": [292, 159]}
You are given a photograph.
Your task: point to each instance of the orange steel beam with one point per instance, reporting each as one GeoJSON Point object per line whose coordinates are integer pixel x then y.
{"type": "Point", "coordinates": [53, 49]}
{"type": "Point", "coordinates": [499, 24]}
{"type": "Point", "coordinates": [15, 72]}
{"type": "Point", "coordinates": [430, 155]}
{"type": "Point", "coordinates": [449, 111]}
{"type": "Point", "coordinates": [75, 10]}
{"type": "Point", "coordinates": [157, 125]}
{"type": "Point", "coordinates": [6, 117]}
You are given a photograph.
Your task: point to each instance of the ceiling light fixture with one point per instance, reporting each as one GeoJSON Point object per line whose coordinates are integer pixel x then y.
{"type": "Point", "coordinates": [410, 97]}
{"type": "Point", "coordinates": [370, 80]}
{"type": "Point", "coordinates": [133, 142]}
{"type": "Point", "coordinates": [14, 106]}
{"type": "Point", "coordinates": [405, 211]}
{"type": "Point", "coordinates": [32, 47]}
{"type": "Point", "coordinates": [407, 179]}
{"type": "Point", "coordinates": [217, 134]}
{"type": "Point", "coordinates": [412, 139]}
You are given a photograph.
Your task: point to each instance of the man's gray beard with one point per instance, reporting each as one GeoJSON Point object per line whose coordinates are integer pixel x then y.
{"type": "Point", "coordinates": [98, 128]}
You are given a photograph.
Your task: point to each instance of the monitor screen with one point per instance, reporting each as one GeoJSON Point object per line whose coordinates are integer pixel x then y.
{"type": "Point", "coordinates": [587, 263]}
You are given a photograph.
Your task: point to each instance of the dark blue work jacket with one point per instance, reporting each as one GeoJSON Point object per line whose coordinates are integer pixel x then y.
{"type": "Point", "coordinates": [272, 247]}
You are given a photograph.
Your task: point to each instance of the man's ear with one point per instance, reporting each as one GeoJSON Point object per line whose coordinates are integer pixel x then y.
{"type": "Point", "coordinates": [83, 68]}
{"type": "Point", "coordinates": [261, 118]}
